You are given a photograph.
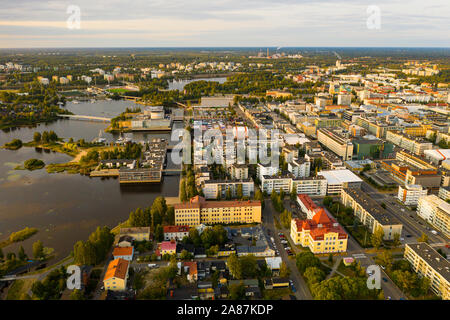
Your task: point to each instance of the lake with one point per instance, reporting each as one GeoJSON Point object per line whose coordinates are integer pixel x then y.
{"type": "Point", "coordinates": [64, 207]}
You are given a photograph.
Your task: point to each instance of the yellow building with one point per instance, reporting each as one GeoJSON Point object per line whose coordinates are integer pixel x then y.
{"type": "Point", "coordinates": [321, 234]}
{"type": "Point", "coordinates": [428, 263]}
{"type": "Point", "coordinates": [199, 211]}
{"type": "Point", "coordinates": [116, 275]}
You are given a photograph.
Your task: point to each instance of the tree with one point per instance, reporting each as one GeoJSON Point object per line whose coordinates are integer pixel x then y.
{"type": "Point", "coordinates": [234, 266]}
{"type": "Point", "coordinates": [327, 201]}
{"type": "Point", "coordinates": [77, 295]}
{"type": "Point", "coordinates": [239, 193]}
{"type": "Point", "coordinates": [1, 254]}
{"type": "Point", "coordinates": [313, 275]}
{"type": "Point", "coordinates": [285, 272]}
{"type": "Point", "coordinates": [228, 195]}
{"type": "Point", "coordinates": [423, 238]}
{"type": "Point", "coordinates": [37, 137]}
{"type": "Point", "coordinates": [396, 241]}
{"type": "Point", "coordinates": [237, 291]}
{"type": "Point", "coordinates": [305, 260]}
{"type": "Point", "coordinates": [377, 237]}
{"type": "Point", "coordinates": [38, 249]}
{"type": "Point", "coordinates": [159, 233]}
{"type": "Point", "coordinates": [385, 259]}
{"type": "Point", "coordinates": [22, 254]}
{"type": "Point", "coordinates": [183, 196]}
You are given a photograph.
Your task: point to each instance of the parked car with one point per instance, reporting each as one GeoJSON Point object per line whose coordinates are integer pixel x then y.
{"type": "Point", "coordinates": [152, 265]}
{"type": "Point", "coordinates": [434, 232]}
{"type": "Point", "coordinates": [385, 280]}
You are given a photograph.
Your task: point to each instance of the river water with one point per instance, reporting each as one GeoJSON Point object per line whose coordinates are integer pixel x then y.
{"type": "Point", "coordinates": [65, 207]}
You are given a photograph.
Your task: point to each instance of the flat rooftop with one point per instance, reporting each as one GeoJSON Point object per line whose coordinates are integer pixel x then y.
{"type": "Point", "coordinates": [339, 176]}
{"type": "Point", "coordinates": [383, 216]}
{"type": "Point", "coordinates": [433, 258]}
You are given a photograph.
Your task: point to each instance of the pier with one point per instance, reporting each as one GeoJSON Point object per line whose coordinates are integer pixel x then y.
{"type": "Point", "coordinates": [85, 118]}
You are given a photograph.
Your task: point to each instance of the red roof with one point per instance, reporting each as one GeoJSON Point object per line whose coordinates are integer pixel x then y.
{"type": "Point", "coordinates": [307, 201]}
{"type": "Point", "coordinates": [320, 225]}
{"type": "Point", "coordinates": [175, 229]}
{"type": "Point", "coordinates": [122, 251]}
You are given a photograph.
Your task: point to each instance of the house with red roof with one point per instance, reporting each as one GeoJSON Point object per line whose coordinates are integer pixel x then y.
{"type": "Point", "coordinates": [175, 232]}
{"type": "Point", "coordinates": [321, 234]}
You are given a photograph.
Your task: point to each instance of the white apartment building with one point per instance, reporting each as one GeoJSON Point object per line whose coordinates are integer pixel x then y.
{"type": "Point", "coordinates": [300, 168]}
{"type": "Point", "coordinates": [436, 212]}
{"type": "Point", "coordinates": [213, 189]}
{"type": "Point", "coordinates": [444, 193]}
{"type": "Point", "coordinates": [312, 186]}
{"type": "Point", "coordinates": [339, 179]}
{"type": "Point", "coordinates": [343, 147]}
{"type": "Point", "coordinates": [238, 171]}
{"type": "Point", "coordinates": [271, 183]}
{"type": "Point", "coordinates": [344, 99]}
{"type": "Point", "coordinates": [266, 170]}
{"type": "Point", "coordinates": [409, 194]}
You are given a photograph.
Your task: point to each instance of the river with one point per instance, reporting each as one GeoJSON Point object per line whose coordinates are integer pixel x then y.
{"type": "Point", "coordinates": [64, 207]}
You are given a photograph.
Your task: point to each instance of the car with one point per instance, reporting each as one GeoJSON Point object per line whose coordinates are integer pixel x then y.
{"type": "Point", "coordinates": [385, 279]}
{"type": "Point", "coordinates": [288, 248]}
{"type": "Point", "coordinates": [408, 236]}
{"type": "Point", "coordinates": [434, 232]}
{"type": "Point", "coordinates": [402, 298]}
{"type": "Point", "coordinates": [293, 288]}
{"type": "Point", "coordinates": [402, 239]}
{"type": "Point", "coordinates": [382, 267]}
{"type": "Point", "coordinates": [152, 265]}
{"type": "Point", "coordinates": [389, 298]}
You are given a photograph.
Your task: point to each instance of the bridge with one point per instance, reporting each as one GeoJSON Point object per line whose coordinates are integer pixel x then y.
{"type": "Point", "coordinates": [171, 172]}
{"type": "Point", "coordinates": [85, 118]}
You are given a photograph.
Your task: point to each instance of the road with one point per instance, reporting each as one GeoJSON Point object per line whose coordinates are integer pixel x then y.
{"type": "Point", "coordinates": [302, 292]}
{"type": "Point", "coordinates": [412, 224]}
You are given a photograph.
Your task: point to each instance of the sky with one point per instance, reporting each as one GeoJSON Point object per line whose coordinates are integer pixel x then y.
{"type": "Point", "coordinates": [224, 23]}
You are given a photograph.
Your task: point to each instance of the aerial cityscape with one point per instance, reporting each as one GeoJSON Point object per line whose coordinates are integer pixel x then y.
{"type": "Point", "coordinates": [224, 173]}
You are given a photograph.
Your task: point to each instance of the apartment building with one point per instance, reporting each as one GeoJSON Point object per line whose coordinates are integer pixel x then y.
{"type": "Point", "coordinates": [307, 205]}
{"type": "Point", "coordinates": [300, 168]}
{"type": "Point", "coordinates": [175, 232]}
{"type": "Point", "coordinates": [276, 183]}
{"type": "Point", "coordinates": [339, 179]}
{"type": "Point", "coordinates": [266, 170]}
{"type": "Point", "coordinates": [199, 211]}
{"type": "Point", "coordinates": [412, 144]}
{"type": "Point", "coordinates": [313, 186]}
{"type": "Point", "coordinates": [444, 193]}
{"type": "Point", "coordinates": [370, 213]}
{"type": "Point", "coordinates": [321, 234]}
{"type": "Point", "coordinates": [238, 171]}
{"type": "Point", "coordinates": [340, 145]}
{"type": "Point", "coordinates": [217, 189]}
{"type": "Point", "coordinates": [436, 212]}
{"type": "Point", "coordinates": [428, 263]}
{"type": "Point", "coordinates": [409, 194]}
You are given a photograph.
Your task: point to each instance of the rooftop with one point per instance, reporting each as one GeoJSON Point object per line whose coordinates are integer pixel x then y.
{"type": "Point", "coordinates": [433, 258]}
{"type": "Point", "coordinates": [371, 206]}
{"type": "Point", "coordinates": [339, 176]}
{"type": "Point", "coordinates": [117, 269]}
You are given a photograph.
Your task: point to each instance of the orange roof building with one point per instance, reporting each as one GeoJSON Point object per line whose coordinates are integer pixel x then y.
{"type": "Point", "coordinates": [125, 253]}
{"type": "Point", "coordinates": [116, 275]}
{"type": "Point", "coordinates": [321, 234]}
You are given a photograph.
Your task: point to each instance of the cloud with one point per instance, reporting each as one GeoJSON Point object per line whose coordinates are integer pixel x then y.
{"type": "Point", "coordinates": [224, 23]}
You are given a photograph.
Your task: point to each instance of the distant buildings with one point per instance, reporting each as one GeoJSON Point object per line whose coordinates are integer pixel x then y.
{"type": "Point", "coordinates": [199, 211]}
{"type": "Point", "coordinates": [412, 144]}
{"type": "Point", "coordinates": [428, 263]}
{"type": "Point", "coordinates": [136, 233]}
{"type": "Point", "coordinates": [214, 189]}
{"type": "Point", "coordinates": [370, 213]}
{"type": "Point", "coordinates": [313, 186]}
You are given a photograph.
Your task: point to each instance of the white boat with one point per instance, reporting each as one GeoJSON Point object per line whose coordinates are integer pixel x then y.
{"type": "Point", "coordinates": [100, 138]}
{"type": "Point", "coordinates": [75, 102]}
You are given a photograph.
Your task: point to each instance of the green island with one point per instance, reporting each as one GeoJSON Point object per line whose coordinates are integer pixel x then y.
{"type": "Point", "coordinates": [19, 236]}
{"type": "Point", "coordinates": [15, 144]}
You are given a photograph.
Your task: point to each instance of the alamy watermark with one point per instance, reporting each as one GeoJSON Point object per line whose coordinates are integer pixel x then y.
{"type": "Point", "coordinates": [373, 21]}
{"type": "Point", "coordinates": [74, 20]}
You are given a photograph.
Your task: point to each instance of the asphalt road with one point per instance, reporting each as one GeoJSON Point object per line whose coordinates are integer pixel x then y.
{"type": "Point", "coordinates": [302, 292]}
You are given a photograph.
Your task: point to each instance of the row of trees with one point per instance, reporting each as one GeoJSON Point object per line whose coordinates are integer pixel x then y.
{"type": "Point", "coordinates": [188, 188]}
{"type": "Point", "coordinates": [156, 216]}
{"type": "Point", "coordinates": [95, 249]}
{"type": "Point", "coordinates": [45, 137]}
{"type": "Point", "coordinates": [213, 236]}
